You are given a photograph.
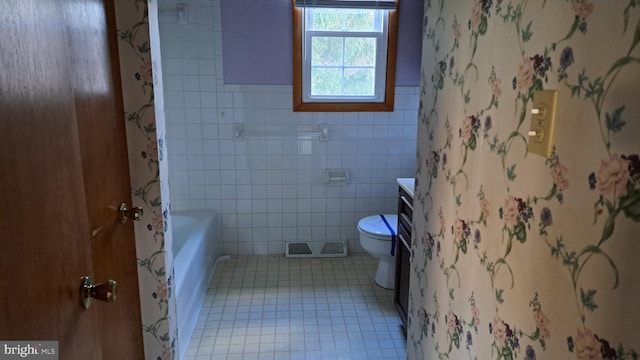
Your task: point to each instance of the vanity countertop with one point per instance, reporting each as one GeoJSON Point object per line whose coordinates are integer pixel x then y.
{"type": "Point", "coordinates": [407, 184]}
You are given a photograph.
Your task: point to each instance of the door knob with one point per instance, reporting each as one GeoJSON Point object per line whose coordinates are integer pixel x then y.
{"type": "Point", "coordinates": [106, 291]}
{"type": "Point", "coordinates": [124, 213]}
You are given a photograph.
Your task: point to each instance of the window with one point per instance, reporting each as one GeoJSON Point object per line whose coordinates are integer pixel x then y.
{"type": "Point", "coordinates": [344, 55]}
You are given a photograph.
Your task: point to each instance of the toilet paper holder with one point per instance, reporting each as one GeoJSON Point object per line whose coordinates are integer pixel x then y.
{"type": "Point", "coordinates": [338, 177]}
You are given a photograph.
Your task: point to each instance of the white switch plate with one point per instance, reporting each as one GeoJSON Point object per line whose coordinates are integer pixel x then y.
{"type": "Point", "coordinates": [543, 122]}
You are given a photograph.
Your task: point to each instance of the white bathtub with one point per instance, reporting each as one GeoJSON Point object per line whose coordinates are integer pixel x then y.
{"type": "Point", "coordinates": [196, 249]}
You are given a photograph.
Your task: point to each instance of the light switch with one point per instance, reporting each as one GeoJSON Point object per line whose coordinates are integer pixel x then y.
{"type": "Point", "coordinates": [543, 121]}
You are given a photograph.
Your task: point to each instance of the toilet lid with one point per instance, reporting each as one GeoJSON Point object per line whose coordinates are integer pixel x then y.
{"type": "Point", "coordinates": [374, 225]}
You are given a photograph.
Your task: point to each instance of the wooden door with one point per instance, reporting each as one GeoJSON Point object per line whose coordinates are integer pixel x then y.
{"type": "Point", "coordinates": [63, 173]}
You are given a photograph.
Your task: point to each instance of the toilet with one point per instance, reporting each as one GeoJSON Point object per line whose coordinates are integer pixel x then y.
{"type": "Point", "coordinates": [376, 238]}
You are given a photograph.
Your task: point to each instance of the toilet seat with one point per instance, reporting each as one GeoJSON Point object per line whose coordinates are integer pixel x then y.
{"type": "Point", "coordinates": [376, 228]}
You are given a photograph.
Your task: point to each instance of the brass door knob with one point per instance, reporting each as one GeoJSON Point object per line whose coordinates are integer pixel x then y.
{"type": "Point", "coordinates": [106, 291]}
{"type": "Point", "coordinates": [125, 213]}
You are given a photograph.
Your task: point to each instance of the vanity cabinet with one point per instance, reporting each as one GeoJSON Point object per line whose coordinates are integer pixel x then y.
{"type": "Point", "coordinates": [403, 254]}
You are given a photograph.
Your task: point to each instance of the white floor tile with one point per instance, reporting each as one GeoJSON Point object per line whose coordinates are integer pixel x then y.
{"type": "Point", "coordinates": [270, 307]}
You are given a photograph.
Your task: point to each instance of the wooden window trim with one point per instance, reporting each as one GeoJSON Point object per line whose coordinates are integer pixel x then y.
{"type": "Point", "coordinates": [392, 47]}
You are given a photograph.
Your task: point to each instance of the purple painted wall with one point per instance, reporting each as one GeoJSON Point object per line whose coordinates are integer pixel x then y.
{"type": "Point", "coordinates": [256, 41]}
{"type": "Point", "coordinates": [409, 43]}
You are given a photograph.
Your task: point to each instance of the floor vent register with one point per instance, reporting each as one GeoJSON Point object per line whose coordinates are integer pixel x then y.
{"type": "Point", "coordinates": [307, 249]}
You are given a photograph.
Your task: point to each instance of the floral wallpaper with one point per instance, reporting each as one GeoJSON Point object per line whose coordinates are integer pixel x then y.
{"type": "Point", "coordinates": [515, 255]}
{"type": "Point", "coordinates": [144, 116]}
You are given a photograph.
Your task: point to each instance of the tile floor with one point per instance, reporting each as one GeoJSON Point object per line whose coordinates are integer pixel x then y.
{"type": "Point", "coordinates": [270, 307]}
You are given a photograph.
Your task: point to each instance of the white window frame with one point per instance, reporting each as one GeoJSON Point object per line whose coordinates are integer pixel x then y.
{"type": "Point", "coordinates": [380, 65]}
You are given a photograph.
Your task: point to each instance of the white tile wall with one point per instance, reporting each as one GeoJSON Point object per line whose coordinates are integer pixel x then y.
{"type": "Point", "coordinates": [269, 187]}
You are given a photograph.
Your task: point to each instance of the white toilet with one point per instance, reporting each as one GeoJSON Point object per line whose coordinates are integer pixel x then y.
{"type": "Point", "coordinates": [376, 239]}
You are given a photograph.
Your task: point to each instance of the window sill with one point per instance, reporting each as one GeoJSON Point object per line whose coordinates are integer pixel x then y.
{"type": "Point", "coordinates": [345, 107]}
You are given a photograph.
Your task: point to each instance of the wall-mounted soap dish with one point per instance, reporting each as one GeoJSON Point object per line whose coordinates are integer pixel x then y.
{"type": "Point", "coordinates": [339, 177]}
